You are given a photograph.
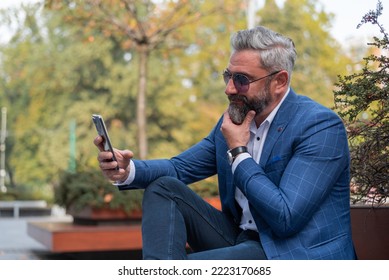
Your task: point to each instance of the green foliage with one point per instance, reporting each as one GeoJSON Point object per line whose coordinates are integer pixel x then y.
{"type": "Point", "coordinates": [207, 188]}
{"type": "Point", "coordinates": [363, 102]}
{"type": "Point", "coordinates": [91, 188]}
{"type": "Point", "coordinates": [51, 82]}
{"type": "Point", "coordinates": [29, 193]}
{"type": "Point", "coordinates": [320, 59]}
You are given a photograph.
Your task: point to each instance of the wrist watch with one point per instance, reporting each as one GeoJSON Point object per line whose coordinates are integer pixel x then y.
{"type": "Point", "coordinates": [233, 153]}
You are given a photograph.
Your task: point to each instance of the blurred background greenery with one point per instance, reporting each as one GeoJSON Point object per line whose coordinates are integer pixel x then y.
{"type": "Point", "coordinates": [152, 69]}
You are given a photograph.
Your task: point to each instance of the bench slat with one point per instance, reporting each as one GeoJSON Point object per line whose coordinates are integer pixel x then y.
{"type": "Point", "coordinates": [62, 237]}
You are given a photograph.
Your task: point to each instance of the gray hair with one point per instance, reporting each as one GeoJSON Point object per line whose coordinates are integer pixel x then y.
{"type": "Point", "coordinates": [276, 51]}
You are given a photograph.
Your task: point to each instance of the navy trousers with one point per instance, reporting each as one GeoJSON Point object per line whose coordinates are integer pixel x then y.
{"type": "Point", "coordinates": [174, 216]}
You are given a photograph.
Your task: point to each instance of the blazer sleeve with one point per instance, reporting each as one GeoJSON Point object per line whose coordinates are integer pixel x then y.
{"type": "Point", "coordinates": [311, 155]}
{"type": "Point", "coordinates": [196, 163]}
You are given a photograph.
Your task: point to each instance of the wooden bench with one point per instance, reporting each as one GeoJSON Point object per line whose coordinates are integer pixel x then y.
{"type": "Point", "coordinates": [62, 237]}
{"type": "Point", "coordinates": [16, 208]}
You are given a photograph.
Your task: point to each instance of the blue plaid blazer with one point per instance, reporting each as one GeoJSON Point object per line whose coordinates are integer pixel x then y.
{"type": "Point", "coordinates": [298, 193]}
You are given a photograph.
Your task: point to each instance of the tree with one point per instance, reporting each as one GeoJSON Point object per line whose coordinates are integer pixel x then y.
{"type": "Point", "coordinates": [362, 99]}
{"type": "Point", "coordinates": [49, 76]}
{"type": "Point", "coordinates": [319, 59]}
{"type": "Point", "coordinates": [59, 73]}
{"type": "Point", "coordinates": [147, 26]}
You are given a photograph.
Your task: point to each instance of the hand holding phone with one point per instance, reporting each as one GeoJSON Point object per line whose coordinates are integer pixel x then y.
{"type": "Point", "coordinates": [102, 131]}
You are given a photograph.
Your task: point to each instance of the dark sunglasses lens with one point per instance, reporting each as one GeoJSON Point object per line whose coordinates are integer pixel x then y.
{"type": "Point", "coordinates": [241, 83]}
{"type": "Point", "coordinates": [226, 77]}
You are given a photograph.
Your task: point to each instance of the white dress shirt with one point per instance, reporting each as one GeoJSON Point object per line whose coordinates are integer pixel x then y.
{"type": "Point", "coordinates": [255, 146]}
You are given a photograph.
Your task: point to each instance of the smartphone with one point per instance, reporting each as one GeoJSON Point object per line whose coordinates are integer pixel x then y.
{"type": "Point", "coordinates": [102, 131]}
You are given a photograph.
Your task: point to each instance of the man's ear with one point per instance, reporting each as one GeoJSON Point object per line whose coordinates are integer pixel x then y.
{"type": "Point", "coordinates": [281, 81]}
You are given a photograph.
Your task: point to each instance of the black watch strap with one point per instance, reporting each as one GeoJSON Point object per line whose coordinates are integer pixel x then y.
{"type": "Point", "coordinates": [233, 153]}
{"type": "Point", "coordinates": [238, 150]}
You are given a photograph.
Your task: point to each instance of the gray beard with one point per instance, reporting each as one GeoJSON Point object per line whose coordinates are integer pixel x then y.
{"type": "Point", "coordinates": [238, 113]}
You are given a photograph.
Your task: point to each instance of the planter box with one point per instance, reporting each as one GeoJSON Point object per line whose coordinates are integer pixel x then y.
{"type": "Point", "coordinates": [103, 216]}
{"type": "Point", "coordinates": [107, 216]}
{"type": "Point", "coordinates": [370, 230]}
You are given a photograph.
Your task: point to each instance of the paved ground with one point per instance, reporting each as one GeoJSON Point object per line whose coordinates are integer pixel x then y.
{"type": "Point", "coordinates": [16, 244]}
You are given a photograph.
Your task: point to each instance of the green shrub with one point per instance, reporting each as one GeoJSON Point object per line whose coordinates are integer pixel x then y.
{"type": "Point", "coordinates": [91, 188]}
{"type": "Point", "coordinates": [363, 102]}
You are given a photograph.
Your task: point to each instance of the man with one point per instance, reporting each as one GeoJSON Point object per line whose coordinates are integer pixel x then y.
{"type": "Point", "coordinates": [283, 171]}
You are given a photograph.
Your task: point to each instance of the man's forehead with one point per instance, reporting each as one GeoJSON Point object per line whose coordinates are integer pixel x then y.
{"type": "Point", "coordinates": [243, 61]}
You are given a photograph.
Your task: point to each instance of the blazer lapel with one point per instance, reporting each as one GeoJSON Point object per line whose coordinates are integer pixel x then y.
{"type": "Point", "coordinates": [280, 122]}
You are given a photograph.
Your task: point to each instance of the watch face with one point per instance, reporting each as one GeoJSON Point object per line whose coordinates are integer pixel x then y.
{"type": "Point", "coordinates": [230, 157]}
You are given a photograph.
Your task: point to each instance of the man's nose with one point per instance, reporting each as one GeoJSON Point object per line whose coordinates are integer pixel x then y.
{"type": "Point", "coordinates": [230, 88]}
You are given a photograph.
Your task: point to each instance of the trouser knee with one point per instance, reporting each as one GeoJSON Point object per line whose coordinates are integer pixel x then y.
{"type": "Point", "coordinates": [168, 187]}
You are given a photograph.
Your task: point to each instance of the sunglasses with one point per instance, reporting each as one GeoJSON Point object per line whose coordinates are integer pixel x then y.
{"type": "Point", "coordinates": [241, 82]}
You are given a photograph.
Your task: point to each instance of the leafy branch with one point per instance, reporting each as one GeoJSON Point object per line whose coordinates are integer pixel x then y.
{"type": "Point", "coordinates": [363, 102]}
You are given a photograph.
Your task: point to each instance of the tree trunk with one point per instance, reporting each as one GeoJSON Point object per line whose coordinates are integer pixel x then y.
{"type": "Point", "coordinates": [141, 117]}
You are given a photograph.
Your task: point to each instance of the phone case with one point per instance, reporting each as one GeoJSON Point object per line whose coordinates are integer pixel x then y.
{"type": "Point", "coordinates": [102, 131]}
